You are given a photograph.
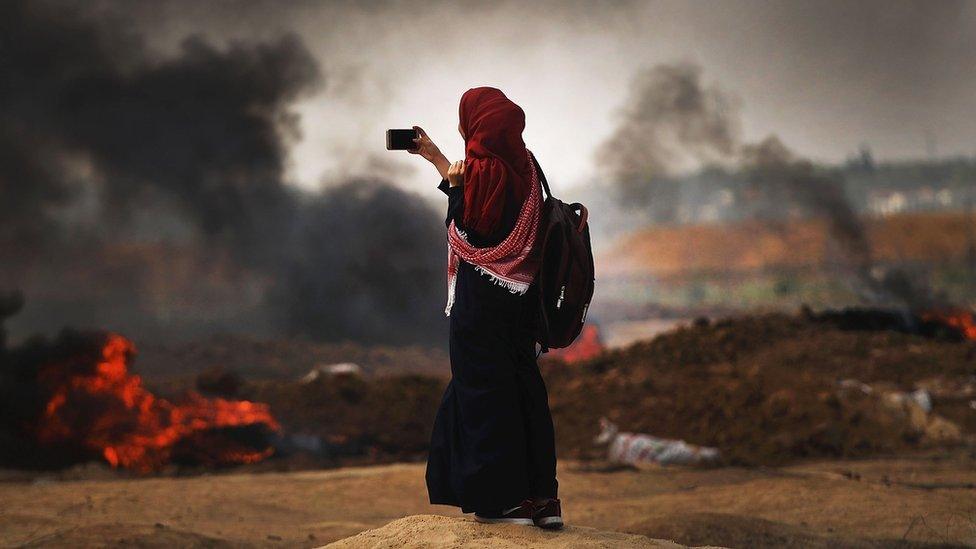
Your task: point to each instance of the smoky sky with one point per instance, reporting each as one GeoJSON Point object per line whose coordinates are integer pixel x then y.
{"type": "Point", "coordinates": [825, 76]}
{"type": "Point", "coordinates": [670, 122]}
{"type": "Point", "coordinates": [134, 177]}
{"type": "Point", "coordinates": [206, 126]}
{"type": "Point", "coordinates": [164, 160]}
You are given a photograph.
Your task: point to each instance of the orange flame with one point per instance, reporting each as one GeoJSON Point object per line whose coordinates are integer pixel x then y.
{"type": "Point", "coordinates": [587, 345]}
{"type": "Point", "coordinates": [962, 320]}
{"type": "Point", "coordinates": [112, 413]}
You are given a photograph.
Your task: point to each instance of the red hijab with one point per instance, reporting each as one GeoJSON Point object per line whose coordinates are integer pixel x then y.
{"type": "Point", "coordinates": [496, 163]}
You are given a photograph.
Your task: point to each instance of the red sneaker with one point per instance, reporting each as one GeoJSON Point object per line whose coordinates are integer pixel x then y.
{"type": "Point", "coordinates": [520, 514]}
{"type": "Point", "coordinates": [548, 514]}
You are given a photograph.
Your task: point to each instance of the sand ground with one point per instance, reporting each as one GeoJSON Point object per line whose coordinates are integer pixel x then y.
{"type": "Point", "coordinates": [898, 501]}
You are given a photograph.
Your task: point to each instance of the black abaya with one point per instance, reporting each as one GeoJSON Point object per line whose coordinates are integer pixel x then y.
{"type": "Point", "coordinates": [492, 443]}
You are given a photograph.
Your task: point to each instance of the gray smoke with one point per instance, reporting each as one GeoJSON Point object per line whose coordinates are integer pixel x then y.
{"type": "Point", "coordinates": [114, 155]}
{"type": "Point", "coordinates": [673, 122]}
{"type": "Point", "coordinates": [670, 122]}
{"type": "Point", "coordinates": [781, 180]}
{"type": "Point", "coordinates": [671, 116]}
{"type": "Point", "coordinates": [826, 76]}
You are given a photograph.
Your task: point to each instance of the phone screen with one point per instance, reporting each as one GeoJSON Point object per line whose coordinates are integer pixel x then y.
{"type": "Point", "coordinates": [400, 140]}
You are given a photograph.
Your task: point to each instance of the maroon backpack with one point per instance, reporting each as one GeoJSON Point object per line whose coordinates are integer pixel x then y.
{"type": "Point", "coordinates": [566, 275]}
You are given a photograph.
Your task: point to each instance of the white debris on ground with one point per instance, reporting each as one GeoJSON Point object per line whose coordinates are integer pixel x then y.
{"type": "Point", "coordinates": [638, 448]}
{"type": "Point", "coordinates": [339, 368]}
{"type": "Point", "coordinates": [910, 408]}
{"type": "Point", "coordinates": [959, 389]}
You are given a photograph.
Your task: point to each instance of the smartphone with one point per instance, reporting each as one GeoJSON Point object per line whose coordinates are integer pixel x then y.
{"type": "Point", "coordinates": [401, 140]}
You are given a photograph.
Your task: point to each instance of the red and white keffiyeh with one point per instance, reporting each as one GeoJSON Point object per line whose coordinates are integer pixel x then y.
{"type": "Point", "coordinates": [510, 263]}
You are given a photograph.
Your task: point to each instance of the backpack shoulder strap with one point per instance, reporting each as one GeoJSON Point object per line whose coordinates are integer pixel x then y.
{"type": "Point", "coordinates": [542, 176]}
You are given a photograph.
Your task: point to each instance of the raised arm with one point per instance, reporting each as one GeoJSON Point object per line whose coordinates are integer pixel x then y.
{"type": "Point", "coordinates": [427, 149]}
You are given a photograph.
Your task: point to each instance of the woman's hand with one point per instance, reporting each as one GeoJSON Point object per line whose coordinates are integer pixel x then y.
{"type": "Point", "coordinates": [427, 149]}
{"type": "Point", "coordinates": [455, 174]}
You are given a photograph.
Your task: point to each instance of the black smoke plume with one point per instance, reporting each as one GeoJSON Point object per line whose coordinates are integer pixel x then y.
{"type": "Point", "coordinates": [367, 265]}
{"type": "Point", "coordinates": [147, 191]}
{"type": "Point", "coordinates": [780, 180]}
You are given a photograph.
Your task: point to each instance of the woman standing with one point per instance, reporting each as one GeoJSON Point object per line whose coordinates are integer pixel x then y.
{"type": "Point", "coordinates": [492, 449]}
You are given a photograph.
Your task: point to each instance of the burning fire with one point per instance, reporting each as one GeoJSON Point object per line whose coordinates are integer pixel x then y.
{"type": "Point", "coordinates": [109, 411]}
{"type": "Point", "coordinates": [959, 319]}
{"type": "Point", "coordinates": [587, 345]}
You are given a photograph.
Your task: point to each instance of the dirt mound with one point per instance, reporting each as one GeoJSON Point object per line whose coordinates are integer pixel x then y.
{"type": "Point", "coordinates": [764, 389]}
{"type": "Point", "coordinates": [282, 359]}
{"type": "Point", "coordinates": [434, 531]}
{"type": "Point", "coordinates": [380, 420]}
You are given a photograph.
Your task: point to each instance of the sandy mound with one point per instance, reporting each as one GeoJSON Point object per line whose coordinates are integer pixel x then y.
{"type": "Point", "coordinates": [434, 531]}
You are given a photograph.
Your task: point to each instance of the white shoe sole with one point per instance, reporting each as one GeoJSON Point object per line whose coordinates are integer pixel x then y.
{"type": "Point", "coordinates": [550, 522]}
{"type": "Point", "coordinates": [486, 520]}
